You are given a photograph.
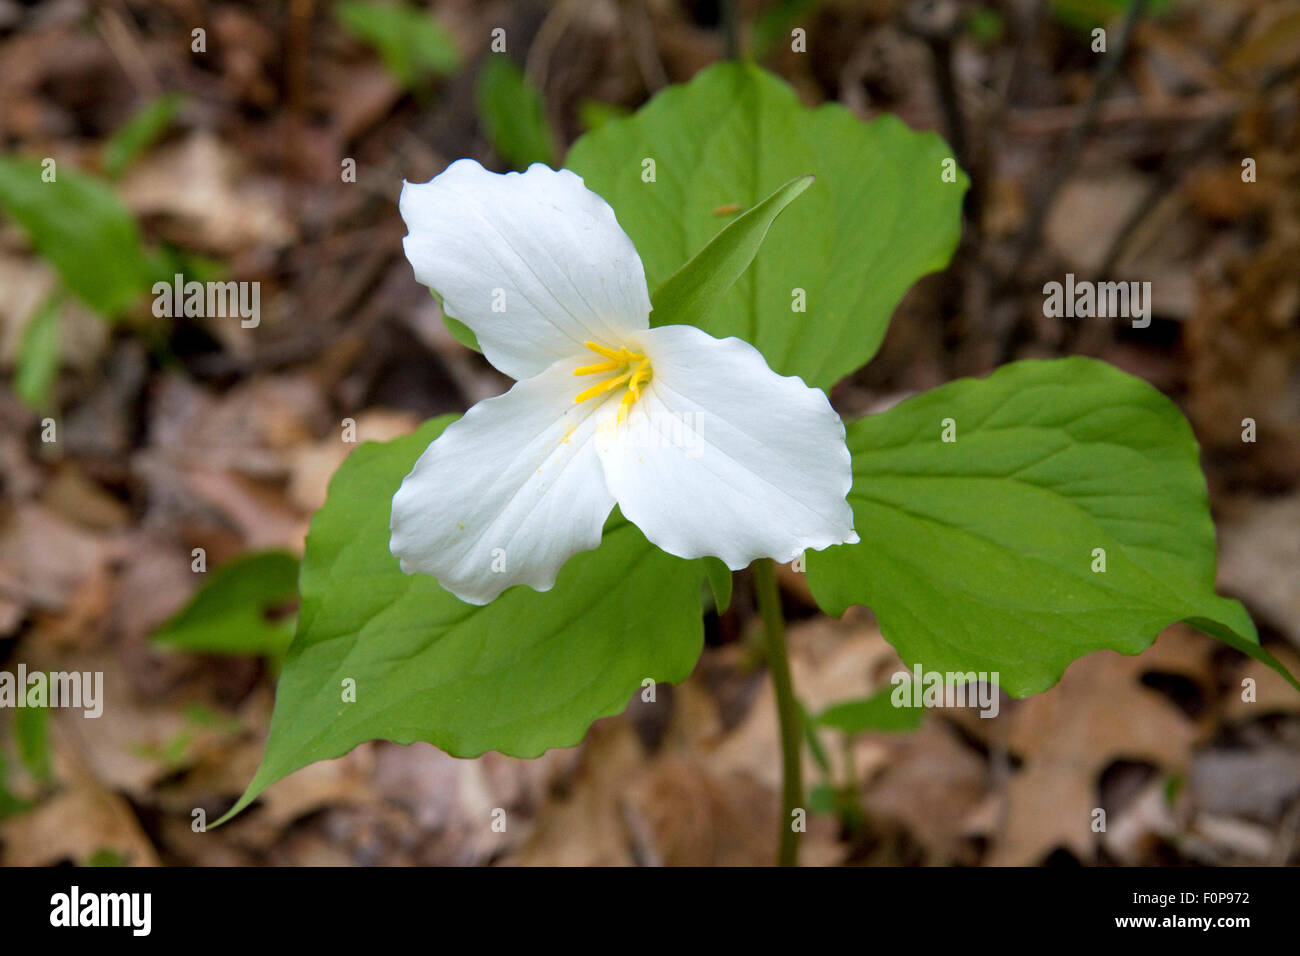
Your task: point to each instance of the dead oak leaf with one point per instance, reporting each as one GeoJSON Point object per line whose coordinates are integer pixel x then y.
{"type": "Point", "coordinates": [1100, 712]}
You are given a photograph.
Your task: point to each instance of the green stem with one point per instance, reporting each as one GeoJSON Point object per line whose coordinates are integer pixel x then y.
{"type": "Point", "coordinates": [787, 708]}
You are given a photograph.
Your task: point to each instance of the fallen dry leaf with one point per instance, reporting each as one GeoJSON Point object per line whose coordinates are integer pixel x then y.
{"type": "Point", "coordinates": [1100, 712]}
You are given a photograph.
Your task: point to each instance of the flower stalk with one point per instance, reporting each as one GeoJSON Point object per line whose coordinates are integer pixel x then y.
{"type": "Point", "coordinates": [787, 707]}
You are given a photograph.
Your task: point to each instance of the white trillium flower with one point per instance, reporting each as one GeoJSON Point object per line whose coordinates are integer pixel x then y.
{"type": "Point", "coordinates": [700, 444]}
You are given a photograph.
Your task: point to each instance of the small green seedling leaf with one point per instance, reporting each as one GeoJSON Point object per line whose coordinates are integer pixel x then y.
{"type": "Point", "coordinates": [719, 583]}
{"type": "Point", "coordinates": [513, 114]}
{"type": "Point", "coordinates": [140, 132]}
{"type": "Point", "coordinates": [875, 713]}
{"type": "Point", "coordinates": [38, 356]}
{"type": "Point", "coordinates": [229, 615]}
{"type": "Point", "coordinates": [79, 226]}
{"type": "Point", "coordinates": [32, 730]}
{"type": "Point", "coordinates": [1086, 15]}
{"type": "Point", "coordinates": [409, 40]}
{"type": "Point", "coordinates": [593, 114]}
{"type": "Point", "coordinates": [10, 804]}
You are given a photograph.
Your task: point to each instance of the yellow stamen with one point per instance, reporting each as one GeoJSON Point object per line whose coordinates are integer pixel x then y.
{"type": "Point", "coordinates": [598, 367]}
{"type": "Point", "coordinates": [603, 387]}
{"type": "Point", "coordinates": [625, 404]}
{"type": "Point", "coordinates": [635, 372]}
{"type": "Point", "coordinates": [619, 356]}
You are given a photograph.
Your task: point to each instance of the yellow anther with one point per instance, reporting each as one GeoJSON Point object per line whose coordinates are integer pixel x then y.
{"type": "Point", "coordinates": [633, 369]}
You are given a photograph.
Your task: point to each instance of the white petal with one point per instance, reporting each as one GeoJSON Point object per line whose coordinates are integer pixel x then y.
{"type": "Point", "coordinates": [508, 493]}
{"type": "Point", "coordinates": [721, 456]}
{"type": "Point", "coordinates": [535, 262]}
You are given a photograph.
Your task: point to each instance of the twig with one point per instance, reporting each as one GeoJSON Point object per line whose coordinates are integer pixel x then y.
{"type": "Point", "coordinates": [641, 36]}
{"type": "Point", "coordinates": [938, 26]}
{"type": "Point", "coordinates": [537, 64]}
{"type": "Point", "coordinates": [1175, 168]}
{"type": "Point", "coordinates": [121, 40]}
{"type": "Point", "coordinates": [1069, 155]}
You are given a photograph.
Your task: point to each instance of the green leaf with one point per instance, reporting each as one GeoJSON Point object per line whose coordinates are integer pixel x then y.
{"type": "Point", "coordinates": [876, 712]}
{"type": "Point", "coordinates": [32, 731]}
{"type": "Point", "coordinates": [409, 40]}
{"type": "Point", "coordinates": [461, 332]}
{"type": "Point", "coordinates": [719, 582]}
{"type": "Point", "coordinates": [140, 132]}
{"type": "Point", "coordinates": [985, 25]}
{"type": "Point", "coordinates": [687, 296]}
{"type": "Point", "coordinates": [808, 729]}
{"type": "Point", "coordinates": [978, 554]}
{"type": "Point", "coordinates": [1087, 15]}
{"type": "Point", "coordinates": [229, 613]}
{"type": "Point", "coordinates": [9, 803]}
{"type": "Point", "coordinates": [513, 114]}
{"type": "Point", "coordinates": [38, 356]}
{"type": "Point", "coordinates": [525, 673]}
{"type": "Point", "coordinates": [878, 217]}
{"type": "Point", "coordinates": [823, 798]}
{"type": "Point", "coordinates": [772, 26]}
{"type": "Point", "coordinates": [168, 260]}
{"type": "Point", "coordinates": [106, 856]}
{"type": "Point", "coordinates": [81, 228]}
{"type": "Point", "coordinates": [593, 114]}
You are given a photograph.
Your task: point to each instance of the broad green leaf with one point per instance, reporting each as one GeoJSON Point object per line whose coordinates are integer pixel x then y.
{"type": "Point", "coordinates": [513, 114]}
{"type": "Point", "coordinates": [978, 554]}
{"type": "Point", "coordinates": [409, 40]}
{"type": "Point", "coordinates": [528, 672]}
{"type": "Point", "coordinates": [878, 217]}
{"type": "Point", "coordinates": [140, 132]}
{"type": "Point", "coordinates": [38, 356]}
{"type": "Point", "coordinates": [687, 296]}
{"type": "Point", "coordinates": [81, 228]}
{"type": "Point", "coordinates": [876, 712]}
{"type": "Point", "coordinates": [229, 614]}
